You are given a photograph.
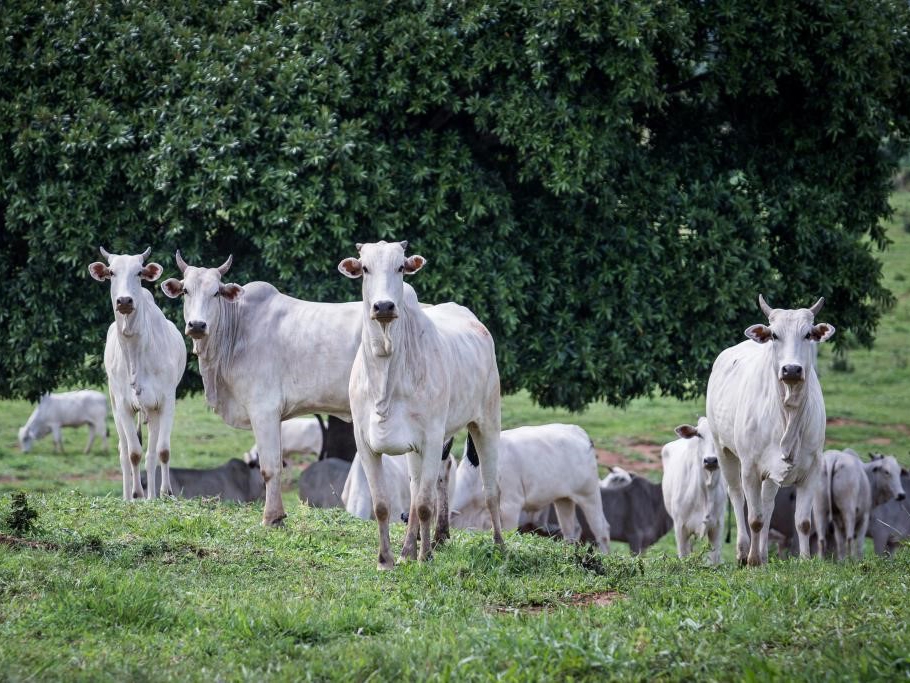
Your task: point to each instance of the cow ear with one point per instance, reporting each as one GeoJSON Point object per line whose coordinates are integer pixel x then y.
{"type": "Point", "coordinates": [413, 263]}
{"type": "Point", "coordinates": [151, 272]}
{"type": "Point", "coordinates": [905, 472]}
{"type": "Point", "coordinates": [758, 333]}
{"type": "Point", "coordinates": [230, 292]}
{"type": "Point", "coordinates": [822, 332]}
{"type": "Point", "coordinates": [99, 271]}
{"type": "Point", "coordinates": [686, 431]}
{"type": "Point", "coordinates": [172, 287]}
{"type": "Point", "coordinates": [351, 268]}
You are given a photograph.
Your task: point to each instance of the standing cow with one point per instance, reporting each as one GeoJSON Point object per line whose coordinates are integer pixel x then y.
{"type": "Point", "coordinates": [538, 466]}
{"type": "Point", "coordinates": [420, 375]}
{"type": "Point", "coordinates": [693, 489]}
{"type": "Point", "coordinates": [889, 525]}
{"type": "Point", "coordinates": [144, 358]}
{"type": "Point", "coordinates": [68, 409]}
{"type": "Point", "coordinates": [767, 414]}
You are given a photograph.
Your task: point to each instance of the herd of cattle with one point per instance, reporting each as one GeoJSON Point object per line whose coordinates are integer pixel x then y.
{"type": "Point", "coordinates": [410, 376]}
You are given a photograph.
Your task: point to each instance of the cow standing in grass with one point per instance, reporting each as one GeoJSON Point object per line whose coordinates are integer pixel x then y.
{"type": "Point", "coordinates": [420, 375]}
{"type": "Point", "coordinates": [767, 414]}
{"type": "Point", "coordinates": [144, 357]}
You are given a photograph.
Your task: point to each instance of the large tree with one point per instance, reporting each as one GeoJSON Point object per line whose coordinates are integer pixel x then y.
{"type": "Point", "coordinates": [608, 185]}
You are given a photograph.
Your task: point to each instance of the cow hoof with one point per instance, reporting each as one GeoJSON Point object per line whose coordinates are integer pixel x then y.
{"type": "Point", "coordinates": [440, 540]}
{"type": "Point", "coordinates": [275, 522]}
{"type": "Point", "coordinates": [385, 565]}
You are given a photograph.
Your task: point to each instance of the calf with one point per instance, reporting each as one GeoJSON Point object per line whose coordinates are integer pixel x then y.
{"type": "Point", "coordinates": [889, 524]}
{"type": "Point", "coordinates": [419, 376]}
{"type": "Point", "coordinates": [693, 488]}
{"type": "Point", "coordinates": [301, 435]}
{"type": "Point", "coordinates": [69, 409]}
{"type": "Point", "coordinates": [144, 358]}
{"type": "Point", "coordinates": [321, 483]}
{"type": "Point", "coordinates": [235, 481]}
{"type": "Point", "coordinates": [539, 466]}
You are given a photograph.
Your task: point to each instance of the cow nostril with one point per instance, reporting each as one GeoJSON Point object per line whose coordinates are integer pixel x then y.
{"type": "Point", "coordinates": [384, 307]}
{"type": "Point", "coordinates": [901, 496]}
{"type": "Point", "coordinates": [196, 325]}
{"type": "Point", "coordinates": [124, 301]}
{"type": "Point", "coordinates": [791, 371]}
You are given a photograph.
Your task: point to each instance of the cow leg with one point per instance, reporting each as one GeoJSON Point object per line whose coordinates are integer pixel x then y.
{"type": "Point", "coordinates": [753, 490]}
{"type": "Point", "coordinates": [849, 517]}
{"type": "Point", "coordinates": [163, 445]}
{"type": "Point", "coordinates": [486, 441]}
{"type": "Point", "coordinates": [426, 494]}
{"type": "Point", "coordinates": [123, 450]}
{"type": "Point", "coordinates": [91, 438]}
{"type": "Point", "coordinates": [441, 535]}
{"type": "Point", "coordinates": [592, 508]}
{"type": "Point", "coordinates": [267, 431]}
{"type": "Point", "coordinates": [769, 489]}
{"type": "Point", "coordinates": [131, 448]}
{"type": "Point", "coordinates": [839, 538]}
{"type": "Point", "coordinates": [812, 500]}
{"type": "Point", "coordinates": [151, 454]}
{"type": "Point", "coordinates": [58, 438]}
{"type": "Point", "coordinates": [682, 540]}
{"type": "Point", "coordinates": [372, 468]}
{"type": "Point", "coordinates": [409, 547]}
{"type": "Point", "coordinates": [715, 537]}
{"type": "Point", "coordinates": [568, 525]}
{"type": "Point", "coordinates": [862, 525]}
{"type": "Point", "coordinates": [732, 470]}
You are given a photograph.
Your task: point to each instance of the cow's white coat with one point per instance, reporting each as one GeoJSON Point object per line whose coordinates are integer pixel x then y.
{"type": "Point", "coordinates": [66, 409]}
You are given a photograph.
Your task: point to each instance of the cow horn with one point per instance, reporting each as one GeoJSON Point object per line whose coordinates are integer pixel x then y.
{"type": "Point", "coordinates": [359, 246]}
{"type": "Point", "coordinates": [104, 253]}
{"type": "Point", "coordinates": [181, 264]}
{"type": "Point", "coordinates": [765, 308]}
{"type": "Point", "coordinates": [223, 268]}
{"type": "Point", "coordinates": [404, 244]}
{"type": "Point", "coordinates": [817, 306]}
{"type": "Point", "coordinates": [146, 253]}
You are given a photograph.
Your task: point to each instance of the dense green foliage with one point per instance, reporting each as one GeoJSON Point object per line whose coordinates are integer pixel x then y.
{"type": "Point", "coordinates": [607, 185]}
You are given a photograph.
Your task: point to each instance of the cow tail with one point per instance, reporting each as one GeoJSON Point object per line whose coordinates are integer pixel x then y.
{"type": "Point", "coordinates": [471, 454]}
{"type": "Point", "coordinates": [447, 448]}
{"type": "Point", "coordinates": [830, 496]}
{"type": "Point", "coordinates": [139, 427]}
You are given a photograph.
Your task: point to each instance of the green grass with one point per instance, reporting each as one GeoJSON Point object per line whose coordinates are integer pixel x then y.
{"type": "Point", "coordinates": [198, 590]}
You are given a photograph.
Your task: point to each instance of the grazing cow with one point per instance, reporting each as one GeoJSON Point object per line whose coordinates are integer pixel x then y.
{"type": "Point", "coordinates": [538, 466]}
{"type": "Point", "coordinates": [852, 488]}
{"type": "Point", "coordinates": [144, 358]}
{"type": "Point", "coordinates": [767, 414]}
{"type": "Point", "coordinates": [356, 496]}
{"type": "Point", "coordinates": [322, 483]}
{"type": "Point", "coordinates": [235, 481]}
{"type": "Point", "coordinates": [298, 435]}
{"type": "Point", "coordinates": [693, 488]}
{"type": "Point", "coordinates": [889, 525]}
{"type": "Point", "coordinates": [420, 375]}
{"type": "Point", "coordinates": [265, 357]}
{"type": "Point", "coordinates": [69, 409]}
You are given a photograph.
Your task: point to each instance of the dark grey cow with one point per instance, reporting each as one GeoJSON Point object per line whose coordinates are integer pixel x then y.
{"type": "Point", "coordinates": [890, 523]}
{"type": "Point", "coordinates": [635, 513]}
{"type": "Point", "coordinates": [322, 482]}
{"type": "Point", "coordinates": [235, 481]}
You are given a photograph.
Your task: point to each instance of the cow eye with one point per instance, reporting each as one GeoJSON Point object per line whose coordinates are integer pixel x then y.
{"type": "Point", "coordinates": [366, 270]}
{"type": "Point", "coordinates": [808, 335]}
{"type": "Point", "coordinates": [774, 336]}
{"type": "Point", "coordinates": [216, 293]}
{"type": "Point", "coordinates": [401, 269]}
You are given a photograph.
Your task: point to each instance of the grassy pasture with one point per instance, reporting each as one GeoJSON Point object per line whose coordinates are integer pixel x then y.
{"type": "Point", "coordinates": [197, 590]}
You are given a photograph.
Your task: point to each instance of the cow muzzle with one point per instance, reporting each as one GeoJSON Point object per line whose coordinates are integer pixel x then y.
{"type": "Point", "coordinates": [125, 305]}
{"type": "Point", "coordinates": [791, 374]}
{"type": "Point", "coordinates": [901, 495]}
{"type": "Point", "coordinates": [710, 463]}
{"type": "Point", "coordinates": [384, 311]}
{"type": "Point", "coordinates": [196, 329]}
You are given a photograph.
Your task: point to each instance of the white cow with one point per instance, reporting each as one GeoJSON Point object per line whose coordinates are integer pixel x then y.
{"type": "Point", "coordinates": [144, 358]}
{"type": "Point", "coordinates": [265, 357]}
{"type": "Point", "coordinates": [767, 414]}
{"type": "Point", "coordinates": [850, 491]}
{"type": "Point", "coordinates": [301, 435]}
{"type": "Point", "coordinates": [420, 375]}
{"type": "Point", "coordinates": [539, 465]}
{"type": "Point", "coordinates": [356, 494]}
{"type": "Point", "coordinates": [694, 492]}
{"type": "Point", "coordinates": [68, 409]}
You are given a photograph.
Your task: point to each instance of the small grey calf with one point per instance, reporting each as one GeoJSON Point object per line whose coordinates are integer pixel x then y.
{"type": "Point", "coordinates": [234, 481]}
{"type": "Point", "coordinates": [322, 482]}
{"type": "Point", "coordinates": [889, 524]}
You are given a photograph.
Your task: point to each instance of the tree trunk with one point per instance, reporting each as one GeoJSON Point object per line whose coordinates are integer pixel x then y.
{"type": "Point", "coordinates": [337, 439]}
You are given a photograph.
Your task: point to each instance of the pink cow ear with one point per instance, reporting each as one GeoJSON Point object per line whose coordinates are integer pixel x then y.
{"type": "Point", "coordinates": [413, 263]}
{"type": "Point", "coordinates": [230, 292]}
{"type": "Point", "coordinates": [759, 333]}
{"type": "Point", "coordinates": [686, 431]}
{"type": "Point", "coordinates": [351, 268]}
{"type": "Point", "coordinates": [99, 271]}
{"type": "Point", "coordinates": [151, 272]}
{"type": "Point", "coordinates": [822, 332]}
{"type": "Point", "coordinates": [172, 287]}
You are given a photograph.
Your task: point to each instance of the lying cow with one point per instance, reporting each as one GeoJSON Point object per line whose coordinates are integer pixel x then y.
{"type": "Point", "coordinates": [69, 409]}
{"type": "Point", "coordinates": [852, 488]}
{"type": "Point", "coordinates": [889, 524]}
{"type": "Point", "coordinates": [322, 483]}
{"type": "Point", "coordinates": [233, 481]}
{"type": "Point", "coordinates": [539, 466]}
{"type": "Point", "coordinates": [299, 435]}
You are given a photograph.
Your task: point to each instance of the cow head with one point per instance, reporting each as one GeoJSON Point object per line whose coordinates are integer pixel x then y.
{"type": "Point", "coordinates": [126, 274]}
{"type": "Point", "coordinates": [791, 334]}
{"type": "Point", "coordinates": [202, 291]}
{"type": "Point", "coordinates": [704, 443]}
{"type": "Point", "coordinates": [25, 439]}
{"type": "Point", "coordinates": [382, 265]}
{"type": "Point", "coordinates": [885, 472]}
{"type": "Point", "coordinates": [617, 478]}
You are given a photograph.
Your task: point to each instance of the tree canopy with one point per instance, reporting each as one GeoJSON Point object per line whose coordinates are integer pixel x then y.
{"type": "Point", "coordinates": [607, 185]}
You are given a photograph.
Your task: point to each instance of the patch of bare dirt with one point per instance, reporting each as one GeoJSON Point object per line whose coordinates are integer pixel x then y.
{"type": "Point", "coordinates": [848, 422]}
{"type": "Point", "coordinates": [16, 542]}
{"type": "Point", "coordinates": [600, 599]}
{"type": "Point", "coordinates": [107, 475]}
{"type": "Point", "coordinates": [647, 460]}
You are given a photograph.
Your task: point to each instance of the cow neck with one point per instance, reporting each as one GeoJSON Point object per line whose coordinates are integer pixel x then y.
{"type": "Point", "coordinates": [392, 358]}
{"type": "Point", "coordinates": [879, 494]}
{"type": "Point", "coordinates": [216, 350]}
{"type": "Point", "coordinates": [137, 339]}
